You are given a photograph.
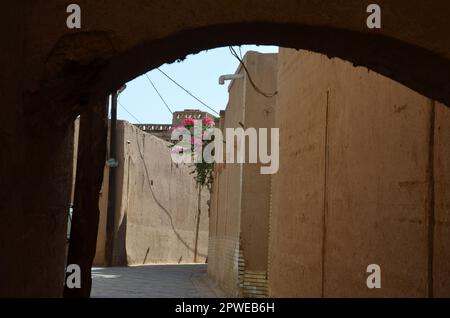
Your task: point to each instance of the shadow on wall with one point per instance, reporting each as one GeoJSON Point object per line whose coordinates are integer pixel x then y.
{"type": "Point", "coordinates": [166, 211]}
{"type": "Point", "coordinates": [120, 248]}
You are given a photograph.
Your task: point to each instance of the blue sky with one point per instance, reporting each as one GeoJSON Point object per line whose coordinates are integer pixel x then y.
{"type": "Point", "coordinates": [198, 73]}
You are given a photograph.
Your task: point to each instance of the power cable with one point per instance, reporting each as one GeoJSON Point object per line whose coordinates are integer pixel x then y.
{"type": "Point", "coordinates": [268, 95]}
{"type": "Point", "coordinates": [188, 92]}
{"type": "Point", "coordinates": [129, 113]}
{"type": "Point", "coordinates": [157, 92]}
{"type": "Point", "coordinates": [240, 52]}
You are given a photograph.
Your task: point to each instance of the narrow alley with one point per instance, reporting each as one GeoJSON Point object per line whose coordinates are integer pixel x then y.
{"type": "Point", "coordinates": [153, 281]}
{"type": "Point", "coordinates": [251, 150]}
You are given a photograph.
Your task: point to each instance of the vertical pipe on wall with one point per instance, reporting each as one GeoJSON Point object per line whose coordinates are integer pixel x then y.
{"type": "Point", "coordinates": [430, 201]}
{"type": "Point", "coordinates": [110, 219]}
{"type": "Point", "coordinates": [325, 194]}
{"type": "Point", "coordinates": [112, 163]}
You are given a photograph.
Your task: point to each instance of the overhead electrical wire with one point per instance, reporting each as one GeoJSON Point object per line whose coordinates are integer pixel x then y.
{"type": "Point", "coordinates": [268, 95]}
{"type": "Point", "coordinates": [188, 92]}
{"type": "Point", "coordinates": [240, 52]}
{"type": "Point", "coordinates": [234, 53]}
{"type": "Point", "coordinates": [129, 113]}
{"type": "Point", "coordinates": [157, 92]}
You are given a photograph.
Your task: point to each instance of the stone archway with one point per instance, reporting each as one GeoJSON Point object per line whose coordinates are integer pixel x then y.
{"type": "Point", "coordinates": [52, 74]}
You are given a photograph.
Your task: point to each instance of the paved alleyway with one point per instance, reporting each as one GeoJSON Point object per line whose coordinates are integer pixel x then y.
{"type": "Point", "coordinates": [152, 281]}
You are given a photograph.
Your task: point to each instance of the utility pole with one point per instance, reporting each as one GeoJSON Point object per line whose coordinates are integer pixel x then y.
{"type": "Point", "coordinates": [112, 163]}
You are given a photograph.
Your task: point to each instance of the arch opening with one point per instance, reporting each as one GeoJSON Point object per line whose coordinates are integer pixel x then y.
{"type": "Point", "coordinates": [92, 75]}
{"type": "Point", "coordinates": [399, 110]}
{"type": "Point", "coordinates": [80, 81]}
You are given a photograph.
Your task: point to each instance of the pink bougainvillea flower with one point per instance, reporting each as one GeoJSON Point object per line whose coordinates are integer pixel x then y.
{"type": "Point", "coordinates": [173, 128]}
{"type": "Point", "coordinates": [208, 121]}
{"type": "Point", "coordinates": [189, 121]}
{"type": "Point", "coordinates": [177, 128]}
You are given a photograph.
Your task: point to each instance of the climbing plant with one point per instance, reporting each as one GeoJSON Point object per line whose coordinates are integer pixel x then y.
{"type": "Point", "coordinates": [200, 138]}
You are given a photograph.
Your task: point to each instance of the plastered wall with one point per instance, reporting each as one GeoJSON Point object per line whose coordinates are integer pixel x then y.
{"type": "Point", "coordinates": [363, 179]}
{"type": "Point", "coordinates": [156, 206]}
{"type": "Point", "coordinates": [240, 197]}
